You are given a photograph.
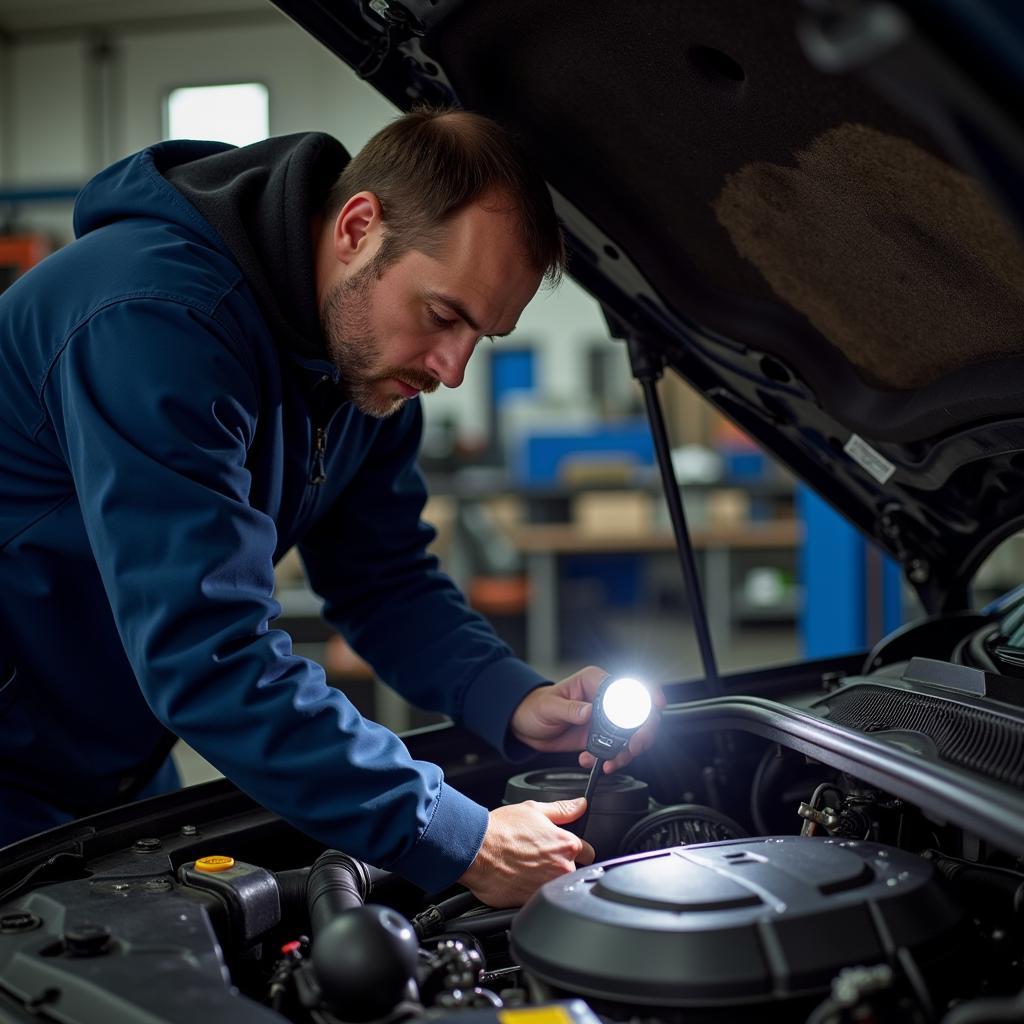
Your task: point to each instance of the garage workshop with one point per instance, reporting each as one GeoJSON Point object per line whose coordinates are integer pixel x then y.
{"type": "Point", "coordinates": [512, 513]}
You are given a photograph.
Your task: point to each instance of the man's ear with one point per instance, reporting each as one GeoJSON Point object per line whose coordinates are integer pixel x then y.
{"type": "Point", "coordinates": [357, 228]}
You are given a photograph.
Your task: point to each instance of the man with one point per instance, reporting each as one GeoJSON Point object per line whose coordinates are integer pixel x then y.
{"type": "Point", "coordinates": [224, 365]}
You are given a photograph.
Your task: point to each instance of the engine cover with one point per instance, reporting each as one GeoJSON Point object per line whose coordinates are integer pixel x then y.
{"type": "Point", "coordinates": [733, 922]}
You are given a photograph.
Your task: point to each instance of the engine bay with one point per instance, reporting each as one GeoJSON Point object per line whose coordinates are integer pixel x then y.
{"type": "Point", "coordinates": [849, 848]}
{"type": "Point", "coordinates": [738, 878]}
{"type": "Point", "coordinates": [828, 844]}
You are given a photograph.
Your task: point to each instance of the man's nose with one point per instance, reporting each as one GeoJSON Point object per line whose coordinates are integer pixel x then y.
{"type": "Point", "coordinates": [449, 358]}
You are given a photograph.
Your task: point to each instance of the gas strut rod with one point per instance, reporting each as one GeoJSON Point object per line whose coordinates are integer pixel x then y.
{"type": "Point", "coordinates": [647, 367]}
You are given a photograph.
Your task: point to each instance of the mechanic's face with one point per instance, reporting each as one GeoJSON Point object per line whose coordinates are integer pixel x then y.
{"type": "Point", "coordinates": [416, 325]}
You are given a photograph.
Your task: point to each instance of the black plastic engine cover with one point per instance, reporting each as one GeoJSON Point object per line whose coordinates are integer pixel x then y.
{"type": "Point", "coordinates": [733, 922]}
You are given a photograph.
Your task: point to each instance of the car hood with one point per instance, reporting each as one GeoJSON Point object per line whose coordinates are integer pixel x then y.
{"type": "Point", "coordinates": [810, 211]}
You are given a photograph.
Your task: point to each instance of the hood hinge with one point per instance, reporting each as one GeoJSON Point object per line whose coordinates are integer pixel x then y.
{"type": "Point", "coordinates": [893, 528]}
{"type": "Point", "coordinates": [397, 17]}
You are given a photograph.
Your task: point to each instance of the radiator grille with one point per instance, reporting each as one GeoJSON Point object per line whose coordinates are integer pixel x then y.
{"type": "Point", "coordinates": [980, 741]}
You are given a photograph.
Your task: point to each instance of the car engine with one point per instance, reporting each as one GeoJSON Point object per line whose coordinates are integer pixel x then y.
{"type": "Point", "coordinates": [854, 854]}
{"type": "Point", "coordinates": [872, 914]}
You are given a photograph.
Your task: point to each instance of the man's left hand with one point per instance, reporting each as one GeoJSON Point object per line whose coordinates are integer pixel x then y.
{"type": "Point", "coordinates": [555, 718]}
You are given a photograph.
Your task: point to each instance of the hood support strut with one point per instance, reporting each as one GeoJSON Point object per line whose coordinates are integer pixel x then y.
{"type": "Point", "coordinates": [648, 366]}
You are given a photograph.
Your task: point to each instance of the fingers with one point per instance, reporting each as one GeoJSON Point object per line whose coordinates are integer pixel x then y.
{"type": "Point", "coordinates": [582, 685]}
{"type": "Point", "coordinates": [591, 679]}
{"type": "Point", "coordinates": [561, 812]}
{"type": "Point", "coordinates": [646, 735]}
{"type": "Point", "coordinates": [587, 761]}
{"type": "Point", "coordinates": [552, 718]}
{"type": "Point", "coordinates": [638, 744]}
{"type": "Point", "coordinates": [578, 711]}
{"type": "Point", "coordinates": [523, 848]}
{"type": "Point", "coordinates": [563, 706]}
{"type": "Point", "coordinates": [569, 712]}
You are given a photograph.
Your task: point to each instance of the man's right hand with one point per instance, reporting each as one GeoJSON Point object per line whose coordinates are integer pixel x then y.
{"type": "Point", "coordinates": [523, 848]}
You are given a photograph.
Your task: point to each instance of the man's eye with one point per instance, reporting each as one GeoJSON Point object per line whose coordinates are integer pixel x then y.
{"type": "Point", "coordinates": [438, 319]}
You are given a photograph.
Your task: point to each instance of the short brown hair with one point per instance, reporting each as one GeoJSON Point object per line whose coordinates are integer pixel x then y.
{"type": "Point", "coordinates": [429, 164]}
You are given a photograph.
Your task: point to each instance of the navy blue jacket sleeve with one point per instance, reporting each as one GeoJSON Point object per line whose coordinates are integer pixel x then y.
{"type": "Point", "coordinates": [154, 408]}
{"type": "Point", "coordinates": [385, 593]}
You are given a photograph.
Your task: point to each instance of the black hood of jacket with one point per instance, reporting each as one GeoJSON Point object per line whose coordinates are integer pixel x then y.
{"type": "Point", "coordinates": [261, 199]}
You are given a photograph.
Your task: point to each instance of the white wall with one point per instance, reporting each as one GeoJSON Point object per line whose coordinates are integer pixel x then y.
{"type": "Point", "coordinates": [310, 89]}
{"type": "Point", "coordinates": [48, 125]}
{"type": "Point", "coordinates": [71, 114]}
{"type": "Point", "coordinates": [5, 99]}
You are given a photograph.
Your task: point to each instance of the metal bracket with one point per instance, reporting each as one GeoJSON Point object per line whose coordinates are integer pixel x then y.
{"type": "Point", "coordinates": [404, 25]}
{"type": "Point", "coordinates": [418, 17]}
{"type": "Point", "coordinates": [892, 525]}
{"type": "Point", "coordinates": [396, 17]}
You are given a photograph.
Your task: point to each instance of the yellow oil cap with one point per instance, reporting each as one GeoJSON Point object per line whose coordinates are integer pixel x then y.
{"type": "Point", "coordinates": [536, 1015]}
{"type": "Point", "coordinates": [214, 864]}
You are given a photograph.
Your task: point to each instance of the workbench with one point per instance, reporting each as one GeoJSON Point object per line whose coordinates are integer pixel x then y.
{"type": "Point", "coordinates": [543, 544]}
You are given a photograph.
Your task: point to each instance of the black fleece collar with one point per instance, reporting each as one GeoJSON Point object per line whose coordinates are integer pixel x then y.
{"type": "Point", "coordinates": [260, 199]}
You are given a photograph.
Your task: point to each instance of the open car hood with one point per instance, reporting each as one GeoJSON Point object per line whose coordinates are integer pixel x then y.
{"type": "Point", "coordinates": [811, 211]}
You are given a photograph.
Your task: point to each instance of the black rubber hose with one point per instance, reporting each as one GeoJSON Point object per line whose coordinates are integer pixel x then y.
{"type": "Point", "coordinates": [986, 1011]}
{"type": "Point", "coordinates": [458, 904]}
{"type": "Point", "coordinates": [291, 885]}
{"type": "Point", "coordinates": [771, 761]}
{"type": "Point", "coordinates": [336, 882]}
{"type": "Point", "coordinates": [484, 924]}
{"type": "Point", "coordinates": [1000, 891]}
{"type": "Point", "coordinates": [433, 919]}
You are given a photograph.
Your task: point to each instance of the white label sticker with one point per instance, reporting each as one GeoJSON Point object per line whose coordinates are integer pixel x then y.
{"type": "Point", "coordinates": [867, 458]}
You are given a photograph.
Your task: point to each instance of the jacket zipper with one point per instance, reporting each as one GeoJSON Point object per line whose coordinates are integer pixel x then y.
{"type": "Point", "coordinates": [318, 467]}
{"type": "Point", "coordinates": [318, 471]}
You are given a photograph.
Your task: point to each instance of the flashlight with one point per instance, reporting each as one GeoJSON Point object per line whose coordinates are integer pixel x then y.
{"type": "Point", "coordinates": [620, 708]}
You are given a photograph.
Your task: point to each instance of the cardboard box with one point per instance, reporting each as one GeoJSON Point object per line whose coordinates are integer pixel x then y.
{"type": "Point", "coordinates": [617, 512]}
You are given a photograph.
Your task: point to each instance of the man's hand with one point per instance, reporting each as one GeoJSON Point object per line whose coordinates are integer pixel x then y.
{"type": "Point", "coordinates": [554, 718]}
{"type": "Point", "coordinates": [523, 848]}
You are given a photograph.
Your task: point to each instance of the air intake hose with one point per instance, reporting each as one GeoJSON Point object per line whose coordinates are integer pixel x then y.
{"type": "Point", "coordinates": [364, 957]}
{"type": "Point", "coordinates": [336, 882]}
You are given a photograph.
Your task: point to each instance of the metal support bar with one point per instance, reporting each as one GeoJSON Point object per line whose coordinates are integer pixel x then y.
{"type": "Point", "coordinates": [647, 367]}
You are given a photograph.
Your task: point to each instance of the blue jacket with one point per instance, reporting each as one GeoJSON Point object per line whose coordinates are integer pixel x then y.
{"type": "Point", "coordinates": [157, 459]}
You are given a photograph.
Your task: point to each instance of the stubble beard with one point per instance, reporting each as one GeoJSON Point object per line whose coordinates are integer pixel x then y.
{"type": "Point", "coordinates": [355, 351]}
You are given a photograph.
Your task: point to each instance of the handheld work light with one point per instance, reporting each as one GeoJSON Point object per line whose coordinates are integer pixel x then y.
{"type": "Point", "coordinates": [620, 708]}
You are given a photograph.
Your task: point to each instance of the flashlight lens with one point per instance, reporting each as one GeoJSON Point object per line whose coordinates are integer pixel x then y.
{"type": "Point", "coordinates": [627, 703]}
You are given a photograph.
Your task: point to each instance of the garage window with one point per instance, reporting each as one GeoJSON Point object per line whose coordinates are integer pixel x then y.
{"type": "Point", "coordinates": [238, 113]}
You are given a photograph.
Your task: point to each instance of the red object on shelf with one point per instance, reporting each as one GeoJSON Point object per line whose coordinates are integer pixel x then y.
{"type": "Point", "coordinates": [23, 251]}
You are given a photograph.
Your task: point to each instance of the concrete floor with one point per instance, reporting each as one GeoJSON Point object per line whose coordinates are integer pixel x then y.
{"type": "Point", "coordinates": [192, 768]}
